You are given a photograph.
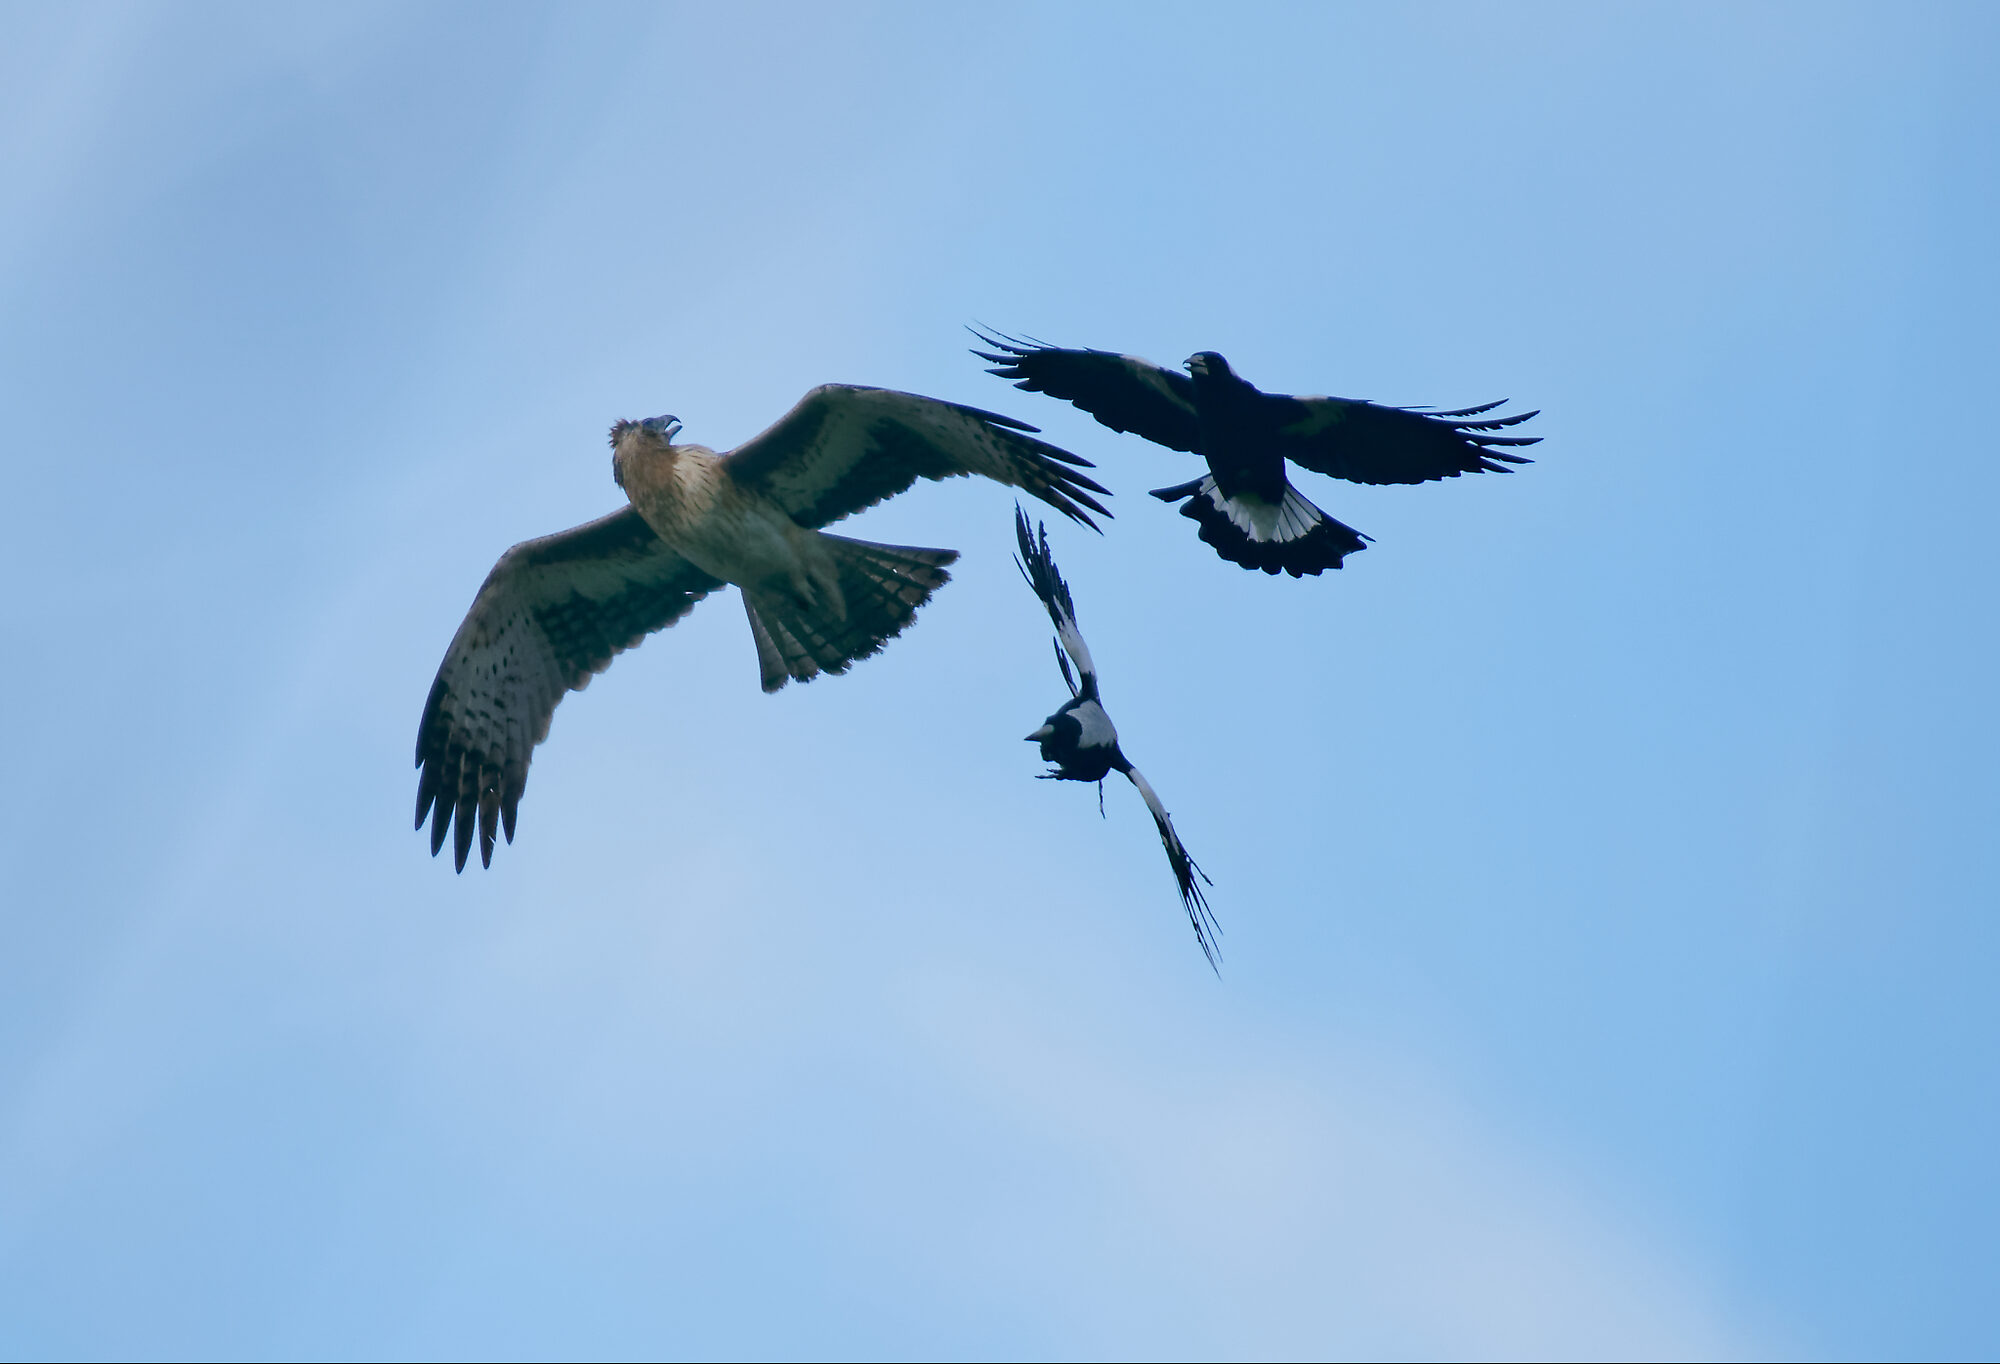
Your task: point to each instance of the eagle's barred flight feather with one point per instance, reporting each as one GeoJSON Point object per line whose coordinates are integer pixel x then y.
{"type": "Point", "coordinates": [552, 614]}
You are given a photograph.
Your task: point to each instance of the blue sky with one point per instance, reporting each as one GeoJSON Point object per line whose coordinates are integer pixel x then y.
{"type": "Point", "coordinates": [1604, 858]}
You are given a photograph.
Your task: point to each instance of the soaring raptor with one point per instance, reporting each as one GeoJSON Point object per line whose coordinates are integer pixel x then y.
{"type": "Point", "coordinates": [1246, 507]}
{"type": "Point", "coordinates": [1080, 739]}
{"type": "Point", "coordinates": [554, 611]}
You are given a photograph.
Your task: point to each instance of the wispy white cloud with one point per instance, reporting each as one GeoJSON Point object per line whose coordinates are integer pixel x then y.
{"type": "Point", "coordinates": [1280, 1200]}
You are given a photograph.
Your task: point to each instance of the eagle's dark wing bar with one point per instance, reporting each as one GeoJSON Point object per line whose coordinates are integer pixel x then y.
{"type": "Point", "coordinates": [1206, 930]}
{"type": "Point", "coordinates": [844, 447]}
{"type": "Point", "coordinates": [1123, 392]}
{"type": "Point", "coordinates": [550, 615]}
{"type": "Point", "coordinates": [1368, 443]}
{"type": "Point", "coordinates": [1038, 566]}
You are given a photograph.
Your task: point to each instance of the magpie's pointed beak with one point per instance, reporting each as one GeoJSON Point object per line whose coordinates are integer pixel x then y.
{"type": "Point", "coordinates": [1044, 732]}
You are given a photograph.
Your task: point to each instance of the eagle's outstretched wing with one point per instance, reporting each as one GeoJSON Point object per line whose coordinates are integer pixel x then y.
{"type": "Point", "coordinates": [550, 615]}
{"type": "Point", "coordinates": [1366, 442]}
{"type": "Point", "coordinates": [845, 447]}
{"type": "Point", "coordinates": [1123, 392]}
{"type": "Point", "coordinates": [1038, 566]}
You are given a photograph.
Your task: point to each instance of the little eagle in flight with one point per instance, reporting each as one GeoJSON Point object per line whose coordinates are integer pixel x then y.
{"type": "Point", "coordinates": [1081, 740]}
{"type": "Point", "coordinates": [1246, 507]}
{"type": "Point", "coordinates": [554, 611]}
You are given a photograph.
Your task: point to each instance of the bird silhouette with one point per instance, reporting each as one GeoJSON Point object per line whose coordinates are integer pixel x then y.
{"type": "Point", "coordinates": [555, 611]}
{"type": "Point", "coordinates": [1245, 505]}
{"type": "Point", "coordinates": [1080, 739]}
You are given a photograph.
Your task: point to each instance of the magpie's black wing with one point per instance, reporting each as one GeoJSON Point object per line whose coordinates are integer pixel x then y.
{"type": "Point", "coordinates": [1366, 442]}
{"type": "Point", "coordinates": [1185, 871]}
{"type": "Point", "coordinates": [1038, 566]}
{"type": "Point", "coordinates": [1121, 391]}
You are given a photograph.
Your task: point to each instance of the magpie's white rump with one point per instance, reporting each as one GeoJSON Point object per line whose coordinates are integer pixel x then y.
{"type": "Point", "coordinates": [1080, 739]}
{"type": "Point", "coordinates": [1246, 507]}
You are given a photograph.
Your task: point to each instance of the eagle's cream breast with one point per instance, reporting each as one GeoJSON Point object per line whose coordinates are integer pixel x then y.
{"type": "Point", "coordinates": [692, 503]}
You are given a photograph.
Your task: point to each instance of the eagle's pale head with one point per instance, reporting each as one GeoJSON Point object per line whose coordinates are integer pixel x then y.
{"type": "Point", "coordinates": [654, 433]}
{"type": "Point", "coordinates": [663, 429]}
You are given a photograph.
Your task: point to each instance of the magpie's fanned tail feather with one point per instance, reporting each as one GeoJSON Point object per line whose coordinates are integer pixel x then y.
{"type": "Point", "coordinates": [1293, 537]}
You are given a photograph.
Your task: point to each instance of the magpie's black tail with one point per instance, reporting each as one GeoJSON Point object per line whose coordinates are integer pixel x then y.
{"type": "Point", "coordinates": [1291, 535]}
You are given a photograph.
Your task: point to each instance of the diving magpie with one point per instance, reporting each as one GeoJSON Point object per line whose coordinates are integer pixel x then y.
{"type": "Point", "coordinates": [1080, 739]}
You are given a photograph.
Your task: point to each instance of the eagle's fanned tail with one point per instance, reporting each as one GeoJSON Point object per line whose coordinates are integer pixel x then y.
{"type": "Point", "coordinates": [883, 585]}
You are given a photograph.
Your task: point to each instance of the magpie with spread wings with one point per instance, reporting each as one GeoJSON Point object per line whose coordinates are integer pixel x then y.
{"type": "Point", "coordinates": [1245, 506]}
{"type": "Point", "coordinates": [1081, 740]}
{"type": "Point", "coordinates": [554, 611]}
